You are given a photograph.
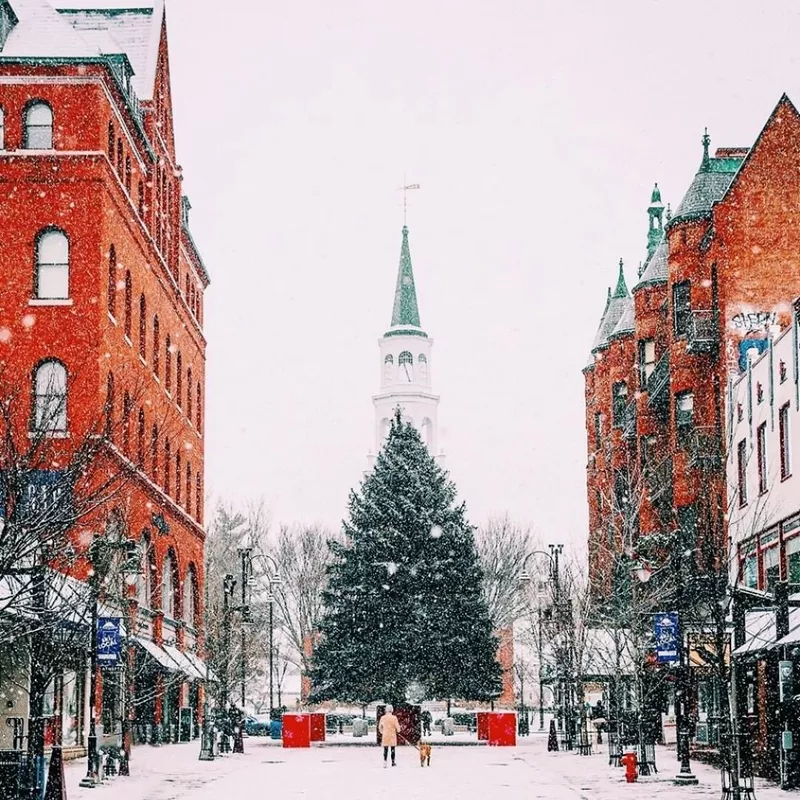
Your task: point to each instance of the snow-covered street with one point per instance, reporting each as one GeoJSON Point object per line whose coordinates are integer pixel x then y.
{"type": "Point", "coordinates": [356, 773]}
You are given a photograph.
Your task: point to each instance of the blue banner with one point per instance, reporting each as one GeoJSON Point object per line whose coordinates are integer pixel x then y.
{"type": "Point", "coordinates": [666, 631]}
{"type": "Point", "coordinates": [109, 642]}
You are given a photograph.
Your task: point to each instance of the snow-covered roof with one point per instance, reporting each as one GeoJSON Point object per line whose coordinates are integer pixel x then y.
{"type": "Point", "coordinates": [627, 320]}
{"type": "Point", "coordinates": [657, 268]}
{"type": "Point", "coordinates": [83, 29]}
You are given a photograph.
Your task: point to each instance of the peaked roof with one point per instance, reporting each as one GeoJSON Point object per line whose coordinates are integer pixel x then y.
{"type": "Point", "coordinates": [83, 29]}
{"type": "Point", "coordinates": [710, 183]}
{"type": "Point", "coordinates": [405, 312]}
{"type": "Point", "coordinates": [656, 269]}
{"type": "Point", "coordinates": [616, 305]}
{"type": "Point", "coordinates": [627, 320]}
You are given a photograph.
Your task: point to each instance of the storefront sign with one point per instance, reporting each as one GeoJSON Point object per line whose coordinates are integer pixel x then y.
{"type": "Point", "coordinates": [109, 642]}
{"type": "Point", "coordinates": [666, 633]}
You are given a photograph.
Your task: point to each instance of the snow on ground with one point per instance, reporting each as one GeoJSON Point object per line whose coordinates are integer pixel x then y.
{"type": "Point", "coordinates": [173, 772]}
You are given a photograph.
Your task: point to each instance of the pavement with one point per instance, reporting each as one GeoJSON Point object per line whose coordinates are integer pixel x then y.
{"type": "Point", "coordinates": [173, 772]}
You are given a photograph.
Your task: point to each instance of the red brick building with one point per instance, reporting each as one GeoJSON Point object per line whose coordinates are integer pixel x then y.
{"type": "Point", "coordinates": [718, 280]}
{"type": "Point", "coordinates": [101, 292]}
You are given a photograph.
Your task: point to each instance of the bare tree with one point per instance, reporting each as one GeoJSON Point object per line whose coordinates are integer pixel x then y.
{"type": "Point", "coordinates": [502, 547]}
{"type": "Point", "coordinates": [302, 555]}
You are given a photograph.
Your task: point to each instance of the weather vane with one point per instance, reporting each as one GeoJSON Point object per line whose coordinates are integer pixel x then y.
{"type": "Point", "coordinates": [405, 188]}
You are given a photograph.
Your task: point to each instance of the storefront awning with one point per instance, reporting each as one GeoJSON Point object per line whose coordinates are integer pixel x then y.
{"type": "Point", "coordinates": [759, 632]}
{"type": "Point", "coordinates": [184, 664]}
{"type": "Point", "coordinates": [791, 638]}
{"type": "Point", "coordinates": [207, 673]}
{"type": "Point", "coordinates": [157, 654]}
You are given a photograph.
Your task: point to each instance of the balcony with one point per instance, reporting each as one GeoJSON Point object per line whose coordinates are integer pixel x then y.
{"type": "Point", "coordinates": [629, 421]}
{"type": "Point", "coordinates": [705, 450]}
{"type": "Point", "coordinates": [702, 335]}
{"type": "Point", "coordinates": [659, 481]}
{"type": "Point", "coordinates": [658, 384]}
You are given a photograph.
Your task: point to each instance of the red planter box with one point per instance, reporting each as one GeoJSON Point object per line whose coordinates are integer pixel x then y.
{"type": "Point", "coordinates": [502, 729]}
{"type": "Point", "coordinates": [482, 718]}
{"type": "Point", "coordinates": [317, 727]}
{"type": "Point", "coordinates": [296, 730]}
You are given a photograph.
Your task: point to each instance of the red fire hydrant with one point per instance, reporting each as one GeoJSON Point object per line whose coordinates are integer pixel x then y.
{"type": "Point", "coordinates": [631, 763]}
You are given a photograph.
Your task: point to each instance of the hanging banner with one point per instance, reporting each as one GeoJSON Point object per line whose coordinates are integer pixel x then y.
{"type": "Point", "coordinates": [667, 637]}
{"type": "Point", "coordinates": [109, 642]}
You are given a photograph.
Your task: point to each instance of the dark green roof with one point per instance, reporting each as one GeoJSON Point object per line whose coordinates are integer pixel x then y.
{"type": "Point", "coordinates": [709, 185]}
{"type": "Point", "coordinates": [656, 269]}
{"type": "Point", "coordinates": [405, 310]}
{"type": "Point", "coordinates": [616, 305]}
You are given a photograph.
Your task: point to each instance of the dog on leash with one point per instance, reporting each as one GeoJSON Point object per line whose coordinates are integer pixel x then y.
{"type": "Point", "coordinates": [424, 753]}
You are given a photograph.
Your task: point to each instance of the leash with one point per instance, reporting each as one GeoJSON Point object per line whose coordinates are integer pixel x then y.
{"type": "Point", "coordinates": [415, 746]}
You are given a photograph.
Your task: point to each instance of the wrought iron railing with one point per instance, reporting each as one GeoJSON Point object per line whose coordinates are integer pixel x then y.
{"type": "Point", "coordinates": [702, 336]}
{"type": "Point", "coordinates": [705, 448]}
{"type": "Point", "coordinates": [658, 382]}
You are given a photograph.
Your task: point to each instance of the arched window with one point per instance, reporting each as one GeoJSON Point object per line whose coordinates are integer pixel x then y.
{"type": "Point", "coordinates": [190, 596]}
{"type": "Point", "coordinates": [422, 362]}
{"type": "Point", "coordinates": [167, 467]}
{"type": "Point", "coordinates": [127, 406]}
{"type": "Point", "coordinates": [128, 174]}
{"type": "Point", "coordinates": [168, 365]}
{"type": "Point", "coordinates": [110, 405]}
{"type": "Point", "coordinates": [168, 586]}
{"type": "Point", "coordinates": [50, 397]}
{"type": "Point", "coordinates": [199, 408]}
{"type": "Point", "coordinates": [178, 379]}
{"type": "Point", "coordinates": [198, 500]}
{"type": "Point", "coordinates": [154, 453]}
{"type": "Point", "coordinates": [38, 127]}
{"type": "Point", "coordinates": [178, 478]}
{"type": "Point", "coordinates": [619, 401]}
{"type": "Point", "coordinates": [189, 394]}
{"type": "Point", "coordinates": [2, 130]}
{"type": "Point", "coordinates": [156, 346]}
{"type": "Point", "coordinates": [52, 265]}
{"type": "Point", "coordinates": [142, 327]}
{"type": "Point", "coordinates": [140, 440]}
{"type": "Point", "coordinates": [427, 431]}
{"type": "Point", "coordinates": [388, 368]}
{"type": "Point", "coordinates": [405, 366]}
{"type": "Point", "coordinates": [111, 138]}
{"type": "Point", "coordinates": [188, 488]}
{"type": "Point", "coordinates": [112, 281]}
{"type": "Point", "coordinates": [128, 304]}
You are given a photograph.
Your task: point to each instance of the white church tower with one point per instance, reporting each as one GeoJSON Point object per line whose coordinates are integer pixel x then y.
{"type": "Point", "coordinates": [405, 363]}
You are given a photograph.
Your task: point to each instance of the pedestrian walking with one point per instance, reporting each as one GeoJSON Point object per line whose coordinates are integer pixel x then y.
{"type": "Point", "coordinates": [389, 728]}
{"type": "Point", "coordinates": [426, 723]}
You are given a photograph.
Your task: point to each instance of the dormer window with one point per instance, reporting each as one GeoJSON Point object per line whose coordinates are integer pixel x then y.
{"type": "Point", "coordinates": [38, 127]}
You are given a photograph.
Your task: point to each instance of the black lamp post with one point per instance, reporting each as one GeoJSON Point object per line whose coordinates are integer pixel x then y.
{"type": "Point", "coordinates": [524, 577]}
{"type": "Point", "coordinates": [273, 582]}
{"type": "Point", "coordinates": [99, 551]}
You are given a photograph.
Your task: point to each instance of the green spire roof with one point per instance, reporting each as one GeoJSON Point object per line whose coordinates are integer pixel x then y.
{"type": "Point", "coordinates": [622, 287]}
{"type": "Point", "coordinates": [405, 312]}
{"type": "Point", "coordinates": [655, 197]}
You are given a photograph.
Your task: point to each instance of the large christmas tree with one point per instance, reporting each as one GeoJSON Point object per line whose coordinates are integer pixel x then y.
{"type": "Point", "coordinates": [404, 605]}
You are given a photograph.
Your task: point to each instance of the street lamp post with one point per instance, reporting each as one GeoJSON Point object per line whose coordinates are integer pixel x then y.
{"type": "Point", "coordinates": [228, 588]}
{"type": "Point", "coordinates": [524, 577]}
{"type": "Point", "coordinates": [273, 582]}
{"type": "Point", "coordinates": [129, 570]}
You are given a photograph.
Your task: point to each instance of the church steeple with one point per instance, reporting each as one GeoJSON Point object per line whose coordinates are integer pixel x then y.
{"type": "Point", "coordinates": [405, 311]}
{"type": "Point", "coordinates": [655, 211]}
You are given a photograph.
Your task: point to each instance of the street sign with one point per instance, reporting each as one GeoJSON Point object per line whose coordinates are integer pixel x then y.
{"type": "Point", "coordinates": [666, 633]}
{"type": "Point", "coordinates": [109, 642]}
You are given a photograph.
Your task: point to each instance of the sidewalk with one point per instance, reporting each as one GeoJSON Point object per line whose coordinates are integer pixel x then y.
{"type": "Point", "coordinates": [160, 773]}
{"type": "Point", "coordinates": [592, 777]}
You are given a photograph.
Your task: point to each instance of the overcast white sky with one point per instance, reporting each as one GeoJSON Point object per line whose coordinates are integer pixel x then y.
{"type": "Point", "coordinates": [536, 130]}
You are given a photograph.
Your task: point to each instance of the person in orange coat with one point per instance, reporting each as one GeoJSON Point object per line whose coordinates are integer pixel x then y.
{"type": "Point", "coordinates": [389, 728]}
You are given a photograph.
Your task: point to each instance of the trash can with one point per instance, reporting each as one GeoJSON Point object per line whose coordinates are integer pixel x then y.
{"type": "Point", "coordinates": [275, 729]}
{"type": "Point", "coordinates": [360, 726]}
{"type": "Point", "coordinates": [448, 726]}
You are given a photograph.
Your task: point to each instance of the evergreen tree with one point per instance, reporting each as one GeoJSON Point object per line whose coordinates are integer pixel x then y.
{"type": "Point", "coordinates": [404, 602]}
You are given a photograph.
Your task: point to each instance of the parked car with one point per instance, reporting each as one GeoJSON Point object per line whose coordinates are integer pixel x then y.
{"type": "Point", "coordinates": [257, 725]}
